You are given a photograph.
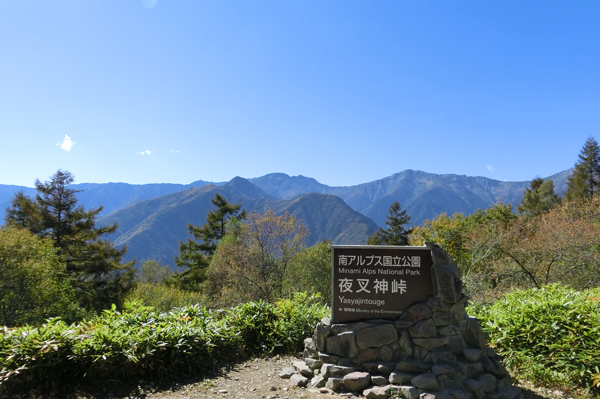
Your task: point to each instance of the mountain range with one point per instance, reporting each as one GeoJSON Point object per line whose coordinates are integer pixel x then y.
{"type": "Point", "coordinates": [153, 218]}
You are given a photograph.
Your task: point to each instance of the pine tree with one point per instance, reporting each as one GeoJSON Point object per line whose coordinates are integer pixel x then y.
{"type": "Point", "coordinates": [395, 233]}
{"type": "Point", "coordinates": [93, 264]}
{"type": "Point", "coordinates": [585, 180]}
{"type": "Point", "coordinates": [195, 254]}
{"type": "Point", "coordinates": [538, 199]}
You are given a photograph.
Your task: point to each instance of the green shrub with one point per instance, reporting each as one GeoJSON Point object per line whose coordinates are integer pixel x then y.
{"type": "Point", "coordinates": [550, 336]}
{"type": "Point", "coordinates": [140, 342]}
{"type": "Point", "coordinates": [162, 297]}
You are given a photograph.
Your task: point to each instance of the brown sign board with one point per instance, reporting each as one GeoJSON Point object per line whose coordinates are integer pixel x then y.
{"type": "Point", "coordinates": [378, 281]}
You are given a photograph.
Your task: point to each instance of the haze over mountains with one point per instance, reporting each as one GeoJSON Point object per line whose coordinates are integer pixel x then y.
{"type": "Point", "coordinates": [153, 218]}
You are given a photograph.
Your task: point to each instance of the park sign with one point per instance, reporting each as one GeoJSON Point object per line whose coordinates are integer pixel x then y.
{"type": "Point", "coordinates": [378, 281]}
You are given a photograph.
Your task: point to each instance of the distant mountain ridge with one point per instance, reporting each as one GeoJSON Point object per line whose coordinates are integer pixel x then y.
{"type": "Point", "coordinates": [153, 218]}
{"type": "Point", "coordinates": [152, 229]}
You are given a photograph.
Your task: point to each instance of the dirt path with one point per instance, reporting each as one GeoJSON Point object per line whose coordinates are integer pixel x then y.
{"type": "Point", "coordinates": [259, 379]}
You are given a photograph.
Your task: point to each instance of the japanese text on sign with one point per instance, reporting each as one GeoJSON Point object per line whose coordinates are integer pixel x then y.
{"type": "Point", "coordinates": [378, 281]}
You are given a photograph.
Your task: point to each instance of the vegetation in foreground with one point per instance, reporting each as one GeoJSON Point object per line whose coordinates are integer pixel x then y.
{"type": "Point", "coordinates": [141, 343]}
{"type": "Point", "coordinates": [54, 263]}
{"type": "Point", "coordinates": [549, 336]}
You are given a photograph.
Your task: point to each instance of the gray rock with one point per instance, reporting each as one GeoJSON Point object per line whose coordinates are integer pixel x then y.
{"type": "Point", "coordinates": [444, 357]}
{"type": "Point", "coordinates": [375, 393]}
{"type": "Point", "coordinates": [376, 336]}
{"type": "Point", "coordinates": [401, 377]}
{"type": "Point", "coordinates": [318, 381]}
{"type": "Point", "coordinates": [335, 384]}
{"type": "Point", "coordinates": [327, 358]}
{"type": "Point", "coordinates": [446, 284]}
{"type": "Point", "coordinates": [340, 371]}
{"type": "Point", "coordinates": [439, 256]}
{"type": "Point", "coordinates": [386, 353]}
{"type": "Point", "coordinates": [430, 343]}
{"type": "Point", "coordinates": [475, 387]}
{"type": "Point", "coordinates": [343, 344]}
{"type": "Point", "coordinates": [413, 366]}
{"type": "Point", "coordinates": [511, 393]}
{"type": "Point", "coordinates": [309, 355]}
{"type": "Point", "coordinates": [458, 312]}
{"type": "Point", "coordinates": [302, 368]}
{"type": "Point", "coordinates": [313, 364]}
{"type": "Point", "coordinates": [420, 353]}
{"type": "Point", "coordinates": [402, 324]}
{"type": "Point", "coordinates": [357, 381]}
{"type": "Point", "coordinates": [437, 304]}
{"type": "Point", "coordinates": [417, 312]}
{"type": "Point", "coordinates": [493, 366]}
{"type": "Point", "coordinates": [449, 330]}
{"type": "Point", "coordinates": [472, 354]}
{"type": "Point", "coordinates": [386, 367]}
{"type": "Point", "coordinates": [451, 385]}
{"type": "Point", "coordinates": [379, 380]}
{"type": "Point", "coordinates": [470, 370]}
{"type": "Point", "coordinates": [298, 380]}
{"type": "Point", "coordinates": [476, 338]}
{"type": "Point", "coordinates": [442, 318]}
{"type": "Point", "coordinates": [446, 369]}
{"type": "Point", "coordinates": [426, 381]}
{"type": "Point", "coordinates": [436, 395]}
{"type": "Point", "coordinates": [455, 344]}
{"type": "Point", "coordinates": [341, 328]}
{"type": "Point", "coordinates": [423, 329]}
{"type": "Point", "coordinates": [322, 331]}
{"type": "Point", "coordinates": [368, 355]}
{"type": "Point", "coordinates": [488, 382]}
{"type": "Point", "coordinates": [287, 372]}
{"type": "Point", "coordinates": [325, 369]}
{"type": "Point", "coordinates": [309, 345]}
{"type": "Point", "coordinates": [405, 343]}
{"type": "Point", "coordinates": [346, 362]}
{"type": "Point", "coordinates": [460, 394]}
{"type": "Point", "coordinates": [409, 392]}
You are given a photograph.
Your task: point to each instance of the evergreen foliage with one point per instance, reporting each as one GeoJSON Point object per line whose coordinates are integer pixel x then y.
{"type": "Point", "coordinates": [396, 232]}
{"type": "Point", "coordinates": [33, 285]}
{"type": "Point", "coordinates": [585, 180]}
{"type": "Point", "coordinates": [142, 343]}
{"type": "Point", "coordinates": [538, 199]}
{"type": "Point", "coordinates": [92, 264]}
{"type": "Point", "coordinates": [195, 254]}
{"type": "Point", "coordinates": [547, 335]}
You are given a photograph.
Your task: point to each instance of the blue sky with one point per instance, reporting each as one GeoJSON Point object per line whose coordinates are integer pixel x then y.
{"type": "Point", "coordinates": [148, 91]}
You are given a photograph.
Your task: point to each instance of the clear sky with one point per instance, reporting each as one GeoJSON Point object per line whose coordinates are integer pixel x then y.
{"type": "Point", "coordinates": [347, 92]}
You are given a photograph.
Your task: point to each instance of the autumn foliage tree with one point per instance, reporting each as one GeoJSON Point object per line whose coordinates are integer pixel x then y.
{"type": "Point", "coordinates": [253, 259]}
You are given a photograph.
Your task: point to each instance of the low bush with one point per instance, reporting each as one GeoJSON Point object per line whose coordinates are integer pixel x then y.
{"type": "Point", "coordinates": [550, 336]}
{"type": "Point", "coordinates": [163, 297]}
{"type": "Point", "coordinates": [142, 343]}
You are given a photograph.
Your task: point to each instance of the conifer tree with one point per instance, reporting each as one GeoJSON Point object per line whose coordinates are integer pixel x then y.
{"type": "Point", "coordinates": [93, 264]}
{"type": "Point", "coordinates": [538, 199]}
{"type": "Point", "coordinates": [195, 254]}
{"type": "Point", "coordinates": [585, 180]}
{"type": "Point", "coordinates": [395, 233]}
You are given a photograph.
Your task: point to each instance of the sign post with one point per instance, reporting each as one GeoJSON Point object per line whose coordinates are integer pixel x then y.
{"type": "Point", "coordinates": [378, 282]}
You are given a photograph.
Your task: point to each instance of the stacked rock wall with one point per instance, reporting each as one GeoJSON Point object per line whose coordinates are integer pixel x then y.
{"type": "Point", "coordinates": [434, 350]}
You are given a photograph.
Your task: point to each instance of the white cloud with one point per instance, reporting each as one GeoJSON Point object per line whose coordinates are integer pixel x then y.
{"type": "Point", "coordinates": [491, 169]}
{"type": "Point", "coordinates": [145, 152]}
{"type": "Point", "coordinates": [66, 144]}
